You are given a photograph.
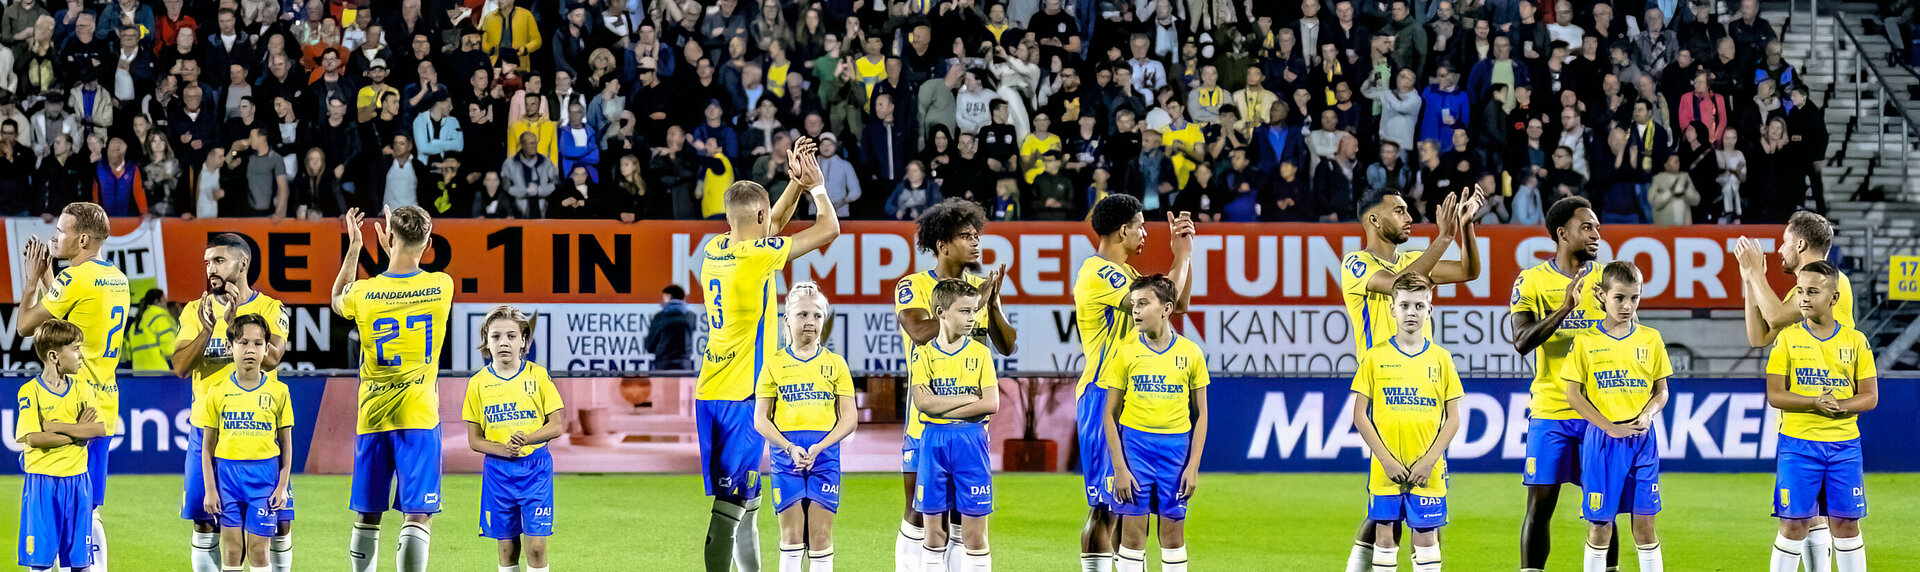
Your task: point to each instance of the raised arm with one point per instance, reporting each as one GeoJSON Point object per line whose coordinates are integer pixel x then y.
{"type": "Point", "coordinates": [1765, 316]}
{"type": "Point", "coordinates": [1449, 214]}
{"type": "Point", "coordinates": [188, 351]}
{"type": "Point", "coordinates": [1468, 267]}
{"type": "Point", "coordinates": [804, 170]}
{"type": "Point", "coordinates": [350, 262]}
{"type": "Point", "coordinates": [1181, 230]}
{"type": "Point", "coordinates": [39, 269]}
{"type": "Point", "coordinates": [999, 330]}
{"type": "Point", "coordinates": [789, 201]}
{"type": "Point", "coordinates": [1529, 331]}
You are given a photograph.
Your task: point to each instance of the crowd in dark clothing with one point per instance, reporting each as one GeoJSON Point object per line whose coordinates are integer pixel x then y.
{"type": "Point", "coordinates": [1278, 110]}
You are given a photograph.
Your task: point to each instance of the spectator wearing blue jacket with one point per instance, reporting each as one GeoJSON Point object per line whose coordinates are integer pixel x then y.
{"type": "Point", "coordinates": [1278, 142]}
{"type": "Point", "coordinates": [437, 133]}
{"type": "Point", "coordinates": [1443, 107]}
{"type": "Point", "coordinates": [580, 143]}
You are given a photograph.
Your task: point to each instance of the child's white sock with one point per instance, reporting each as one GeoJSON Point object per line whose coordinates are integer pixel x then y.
{"type": "Point", "coordinates": [933, 559]}
{"type": "Point", "coordinates": [1786, 554]}
{"type": "Point", "coordinates": [956, 558]}
{"type": "Point", "coordinates": [513, 568]}
{"type": "Point", "coordinates": [411, 554]}
{"type": "Point", "coordinates": [1818, 555]}
{"type": "Point", "coordinates": [1650, 560]}
{"type": "Point", "coordinates": [792, 557]}
{"type": "Point", "coordinates": [280, 552]}
{"type": "Point", "coordinates": [722, 525]}
{"type": "Point", "coordinates": [1130, 560]}
{"type": "Point", "coordinates": [267, 568]}
{"type": "Point", "coordinates": [540, 569]}
{"type": "Point", "coordinates": [204, 551]}
{"type": "Point", "coordinates": [1096, 562]}
{"type": "Point", "coordinates": [820, 560]}
{"type": "Point", "coordinates": [746, 541]}
{"type": "Point", "coordinates": [1386, 559]}
{"type": "Point", "coordinates": [1596, 559]}
{"type": "Point", "coordinates": [906, 547]}
{"type": "Point", "coordinates": [979, 561]}
{"type": "Point", "coordinates": [98, 539]}
{"type": "Point", "coordinates": [1426, 558]}
{"type": "Point", "coordinates": [363, 547]}
{"type": "Point", "coordinates": [1850, 554]}
{"type": "Point", "coordinates": [1173, 559]}
{"type": "Point", "coordinates": [1361, 558]}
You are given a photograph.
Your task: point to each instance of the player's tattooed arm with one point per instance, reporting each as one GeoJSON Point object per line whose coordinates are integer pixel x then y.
{"type": "Point", "coordinates": [349, 262]}
{"type": "Point", "coordinates": [1468, 268]}
{"type": "Point", "coordinates": [1110, 424]}
{"type": "Point", "coordinates": [1449, 217]}
{"type": "Point", "coordinates": [805, 170]}
{"type": "Point", "coordinates": [1765, 316]}
{"type": "Point", "coordinates": [477, 440]}
{"type": "Point", "coordinates": [1363, 422]}
{"type": "Point", "coordinates": [1529, 331]}
{"type": "Point", "coordinates": [1190, 479]}
{"type": "Point", "coordinates": [1180, 240]}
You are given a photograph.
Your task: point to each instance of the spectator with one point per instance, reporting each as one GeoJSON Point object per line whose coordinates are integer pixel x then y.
{"type": "Point", "coordinates": [315, 191]}
{"type": "Point", "coordinates": [670, 332]}
{"type": "Point", "coordinates": [266, 176]}
{"type": "Point", "coordinates": [1706, 107]}
{"type": "Point", "coordinates": [1443, 106]}
{"type": "Point", "coordinates": [1673, 195]}
{"type": "Point", "coordinates": [63, 177]}
{"type": "Point", "coordinates": [633, 199]}
{"type": "Point", "coordinates": [913, 194]}
{"type": "Point", "coordinates": [676, 169]}
{"type": "Point", "coordinates": [1052, 192]}
{"type": "Point", "coordinates": [1526, 199]}
{"type": "Point", "coordinates": [492, 201]}
{"type": "Point", "coordinates": [510, 34]}
{"type": "Point", "coordinates": [530, 177]}
{"type": "Point", "coordinates": [579, 144]}
{"type": "Point", "coordinates": [838, 176]}
{"type": "Point", "coordinates": [1732, 162]}
{"type": "Point", "coordinates": [1334, 182]}
{"type": "Point", "coordinates": [17, 162]}
{"type": "Point", "coordinates": [716, 175]}
{"type": "Point", "coordinates": [888, 144]}
{"type": "Point", "coordinates": [1150, 176]}
{"type": "Point", "coordinates": [1390, 174]}
{"type": "Point", "coordinates": [438, 133]}
{"type": "Point", "coordinates": [1807, 126]}
{"type": "Point", "coordinates": [162, 174]}
{"type": "Point", "coordinates": [576, 198]}
{"type": "Point", "coordinates": [1750, 32]}
{"type": "Point", "coordinates": [116, 185]}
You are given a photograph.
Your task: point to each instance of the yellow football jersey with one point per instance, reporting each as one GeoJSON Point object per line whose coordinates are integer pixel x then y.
{"type": "Point", "coordinates": [966, 371]}
{"type": "Point", "coordinates": [742, 319]}
{"type": "Point", "coordinates": [1407, 403]}
{"type": "Point", "coordinates": [1195, 139]}
{"type": "Point", "coordinates": [806, 392]}
{"type": "Point", "coordinates": [871, 73]}
{"type": "Point", "coordinates": [1032, 147]}
{"type": "Point", "coordinates": [1842, 308]}
{"type": "Point", "coordinates": [402, 321]}
{"type": "Point", "coordinates": [503, 404]}
{"type": "Point", "coordinates": [216, 363]}
{"type": "Point", "coordinates": [94, 295]}
{"type": "Point", "coordinates": [1541, 289]}
{"type": "Point", "coordinates": [916, 291]}
{"type": "Point", "coordinates": [1815, 365]}
{"type": "Point", "coordinates": [1100, 310]}
{"type": "Point", "coordinates": [1370, 312]}
{"type": "Point", "coordinates": [1617, 373]}
{"type": "Point", "coordinates": [249, 419]}
{"type": "Point", "coordinates": [39, 405]}
{"type": "Point", "coordinates": [1159, 384]}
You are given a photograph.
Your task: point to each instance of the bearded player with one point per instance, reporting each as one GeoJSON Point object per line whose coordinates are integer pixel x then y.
{"type": "Point", "coordinates": [1367, 277]}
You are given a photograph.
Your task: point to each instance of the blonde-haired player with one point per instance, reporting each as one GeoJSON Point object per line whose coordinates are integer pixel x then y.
{"type": "Point", "coordinates": [1616, 376]}
{"type": "Point", "coordinates": [737, 274]}
{"type": "Point", "coordinates": [401, 316]}
{"type": "Point", "coordinates": [1821, 377]}
{"type": "Point", "coordinates": [92, 294]}
{"type": "Point", "coordinates": [512, 410]}
{"type": "Point", "coordinates": [804, 409]}
{"type": "Point", "coordinates": [1407, 408]}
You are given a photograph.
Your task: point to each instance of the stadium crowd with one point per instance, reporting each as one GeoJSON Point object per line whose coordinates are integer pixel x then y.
{"type": "Point", "coordinates": [1659, 111]}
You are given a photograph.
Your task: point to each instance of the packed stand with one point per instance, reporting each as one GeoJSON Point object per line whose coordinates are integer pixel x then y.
{"type": "Point", "coordinates": [1659, 111]}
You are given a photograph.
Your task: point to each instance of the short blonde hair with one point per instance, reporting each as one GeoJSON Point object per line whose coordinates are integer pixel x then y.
{"type": "Point", "coordinates": [53, 334]}
{"type": "Point", "coordinates": [89, 219]}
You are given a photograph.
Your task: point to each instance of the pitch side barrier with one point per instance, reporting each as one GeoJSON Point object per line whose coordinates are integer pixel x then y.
{"type": "Point", "coordinates": [1259, 423]}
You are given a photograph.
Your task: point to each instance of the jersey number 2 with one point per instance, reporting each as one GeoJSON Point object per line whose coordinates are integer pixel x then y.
{"type": "Point", "coordinates": [388, 329]}
{"type": "Point", "coordinates": [119, 318]}
{"type": "Point", "coordinates": [718, 317]}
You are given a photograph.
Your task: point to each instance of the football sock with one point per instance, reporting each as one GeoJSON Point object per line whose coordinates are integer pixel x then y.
{"type": "Point", "coordinates": [1786, 554]}
{"type": "Point", "coordinates": [205, 551]}
{"type": "Point", "coordinates": [1361, 558]}
{"type": "Point", "coordinates": [233, 569]}
{"type": "Point", "coordinates": [792, 557]}
{"type": "Point", "coordinates": [363, 547]}
{"type": "Point", "coordinates": [955, 561]}
{"type": "Point", "coordinates": [411, 553]}
{"type": "Point", "coordinates": [513, 568]}
{"type": "Point", "coordinates": [746, 541]}
{"type": "Point", "coordinates": [1096, 562]}
{"type": "Point", "coordinates": [820, 560]}
{"type": "Point", "coordinates": [540, 569]}
{"type": "Point", "coordinates": [1650, 560]}
{"type": "Point", "coordinates": [280, 552]}
{"type": "Point", "coordinates": [267, 568]}
{"type": "Point", "coordinates": [906, 548]}
{"type": "Point", "coordinates": [1426, 558]}
{"type": "Point", "coordinates": [1386, 559]}
{"type": "Point", "coordinates": [1819, 551]}
{"type": "Point", "coordinates": [1595, 560]}
{"type": "Point", "coordinates": [1850, 554]}
{"type": "Point", "coordinates": [722, 525]}
{"type": "Point", "coordinates": [1130, 560]}
{"type": "Point", "coordinates": [1173, 559]}
{"type": "Point", "coordinates": [979, 561]}
{"type": "Point", "coordinates": [933, 559]}
{"type": "Point", "coordinates": [99, 542]}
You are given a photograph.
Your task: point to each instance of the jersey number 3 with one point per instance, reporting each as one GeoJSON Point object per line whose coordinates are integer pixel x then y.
{"type": "Point", "coordinates": [387, 329]}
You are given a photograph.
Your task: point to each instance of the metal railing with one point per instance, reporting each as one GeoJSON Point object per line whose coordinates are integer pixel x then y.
{"type": "Point", "coordinates": [1844, 37]}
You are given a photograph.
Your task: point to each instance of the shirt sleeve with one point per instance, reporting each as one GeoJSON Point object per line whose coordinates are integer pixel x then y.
{"type": "Point", "coordinates": [283, 416]}
{"type": "Point", "coordinates": [1354, 271]}
{"type": "Point", "coordinates": [842, 379]}
{"type": "Point", "coordinates": [989, 376]}
{"type": "Point", "coordinates": [1522, 299]}
{"type": "Point", "coordinates": [1662, 365]}
{"type": "Point", "coordinates": [348, 304]}
{"type": "Point", "coordinates": [1451, 373]}
{"type": "Point", "coordinates": [1108, 285]}
{"type": "Point", "coordinates": [1116, 376]}
{"type": "Point", "coordinates": [772, 252]}
{"type": "Point", "coordinates": [1863, 366]}
{"type": "Point", "coordinates": [210, 407]}
{"type": "Point", "coordinates": [905, 296]}
{"type": "Point", "coordinates": [1574, 368]}
{"type": "Point", "coordinates": [278, 320]}
{"type": "Point", "coordinates": [1363, 377]}
{"type": "Point", "coordinates": [27, 418]}
{"type": "Point", "coordinates": [471, 408]}
{"type": "Point", "coordinates": [1197, 373]}
{"type": "Point", "coordinates": [61, 298]}
{"type": "Point", "coordinates": [189, 327]}
{"type": "Point", "coordinates": [547, 397]}
{"type": "Point", "coordinates": [1777, 358]}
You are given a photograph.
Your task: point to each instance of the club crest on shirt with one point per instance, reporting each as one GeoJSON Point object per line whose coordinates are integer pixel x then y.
{"type": "Point", "coordinates": [973, 364]}
{"type": "Point", "coordinates": [1846, 355]}
{"type": "Point", "coordinates": [1642, 354]}
{"type": "Point", "coordinates": [1180, 362]}
{"type": "Point", "coordinates": [826, 371]}
{"type": "Point", "coordinates": [266, 402]}
{"type": "Point", "coordinates": [1433, 372]}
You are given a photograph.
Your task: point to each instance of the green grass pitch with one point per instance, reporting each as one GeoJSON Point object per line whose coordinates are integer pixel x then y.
{"type": "Point", "coordinates": [1243, 522]}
